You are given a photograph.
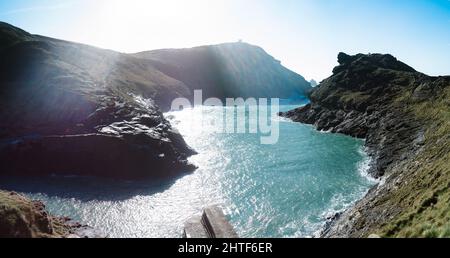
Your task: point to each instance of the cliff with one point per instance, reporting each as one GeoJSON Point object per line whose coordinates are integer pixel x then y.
{"type": "Point", "coordinates": [73, 109]}
{"type": "Point", "coordinates": [229, 70]}
{"type": "Point", "coordinates": [404, 116]}
{"type": "Point", "coordinates": [23, 218]}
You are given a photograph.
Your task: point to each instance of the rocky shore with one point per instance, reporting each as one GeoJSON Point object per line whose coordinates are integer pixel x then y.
{"type": "Point", "coordinates": [23, 218]}
{"type": "Point", "coordinates": [404, 116]}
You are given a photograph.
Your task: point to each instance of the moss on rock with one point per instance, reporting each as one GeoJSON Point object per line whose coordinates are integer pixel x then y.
{"type": "Point", "coordinates": [405, 117]}
{"type": "Point", "coordinates": [24, 218]}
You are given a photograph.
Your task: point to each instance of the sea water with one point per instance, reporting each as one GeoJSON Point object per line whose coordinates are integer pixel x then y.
{"type": "Point", "coordinates": [288, 189]}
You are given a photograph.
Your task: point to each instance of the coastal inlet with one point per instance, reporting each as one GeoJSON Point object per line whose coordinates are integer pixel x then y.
{"type": "Point", "coordinates": [284, 190]}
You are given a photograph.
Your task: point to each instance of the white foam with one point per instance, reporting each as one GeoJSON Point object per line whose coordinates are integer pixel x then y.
{"type": "Point", "coordinates": [364, 166]}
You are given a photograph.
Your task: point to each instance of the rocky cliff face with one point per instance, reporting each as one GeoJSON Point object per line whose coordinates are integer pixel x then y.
{"type": "Point", "coordinates": [68, 108]}
{"type": "Point", "coordinates": [404, 116]}
{"type": "Point", "coordinates": [72, 109]}
{"type": "Point", "coordinates": [23, 218]}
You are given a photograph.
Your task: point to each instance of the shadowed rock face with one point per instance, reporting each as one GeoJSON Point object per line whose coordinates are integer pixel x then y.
{"type": "Point", "coordinates": [68, 108]}
{"type": "Point", "coordinates": [404, 116]}
{"type": "Point", "coordinates": [229, 70]}
{"type": "Point", "coordinates": [71, 109]}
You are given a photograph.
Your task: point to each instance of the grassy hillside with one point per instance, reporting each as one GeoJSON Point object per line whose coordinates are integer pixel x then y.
{"type": "Point", "coordinates": [11, 35]}
{"type": "Point", "coordinates": [229, 70]}
{"type": "Point", "coordinates": [404, 116]}
{"type": "Point", "coordinates": [425, 194]}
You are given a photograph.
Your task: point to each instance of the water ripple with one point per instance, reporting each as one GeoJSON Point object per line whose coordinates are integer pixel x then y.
{"type": "Point", "coordinates": [282, 190]}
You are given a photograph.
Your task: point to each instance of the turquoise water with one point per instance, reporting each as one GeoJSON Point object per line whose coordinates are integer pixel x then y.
{"type": "Point", "coordinates": [282, 190]}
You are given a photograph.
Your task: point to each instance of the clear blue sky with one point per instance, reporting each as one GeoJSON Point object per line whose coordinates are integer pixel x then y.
{"type": "Point", "coordinates": [306, 35]}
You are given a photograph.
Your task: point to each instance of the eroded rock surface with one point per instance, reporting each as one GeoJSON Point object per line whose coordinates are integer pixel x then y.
{"type": "Point", "coordinates": [404, 116]}
{"type": "Point", "coordinates": [23, 218]}
{"type": "Point", "coordinates": [71, 109]}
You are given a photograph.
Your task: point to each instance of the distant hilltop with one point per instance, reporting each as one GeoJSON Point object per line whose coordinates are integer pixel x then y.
{"type": "Point", "coordinates": [83, 102]}
{"type": "Point", "coordinates": [225, 70]}
{"type": "Point", "coordinates": [229, 70]}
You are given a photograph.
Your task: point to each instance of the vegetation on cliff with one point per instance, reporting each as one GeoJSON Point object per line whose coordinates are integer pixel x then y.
{"type": "Point", "coordinates": [425, 194]}
{"type": "Point", "coordinates": [404, 116]}
{"type": "Point", "coordinates": [23, 218]}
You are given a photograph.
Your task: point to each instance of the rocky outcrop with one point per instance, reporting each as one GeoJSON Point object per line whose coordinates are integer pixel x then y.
{"type": "Point", "coordinates": [358, 101]}
{"type": "Point", "coordinates": [404, 116]}
{"type": "Point", "coordinates": [68, 108]}
{"type": "Point", "coordinates": [119, 140]}
{"type": "Point", "coordinates": [23, 218]}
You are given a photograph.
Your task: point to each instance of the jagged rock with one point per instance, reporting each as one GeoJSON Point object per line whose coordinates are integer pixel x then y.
{"type": "Point", "coordinates": [118, 141]}
{"type": "Point", "coordinates": [357, 101]}
{"type": "Point", "coordinates": [404, 117]}
{"type": "Point", "coordinates": [68, 108]}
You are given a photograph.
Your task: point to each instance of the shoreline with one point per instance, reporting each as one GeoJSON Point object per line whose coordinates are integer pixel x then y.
{"type": "Point", "coordinates": [363, 170]}
{"type": "Point", "coordinates": [403, 115]}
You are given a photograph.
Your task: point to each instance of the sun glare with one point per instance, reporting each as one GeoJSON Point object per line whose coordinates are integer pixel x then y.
{"type": "Point", "coordinates": [131, 24]}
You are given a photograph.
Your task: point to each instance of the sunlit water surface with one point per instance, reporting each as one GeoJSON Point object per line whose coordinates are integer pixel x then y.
{"type": "Point", "coordinates": [282, 190]}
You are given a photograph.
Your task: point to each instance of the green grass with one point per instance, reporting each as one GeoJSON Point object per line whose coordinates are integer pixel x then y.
{"type": "Point", "coordinates": [425, 196]}
{"type": "Point", "coordinates": [20, 218]}
{"type": "Point", "coordinates": [354, 97]}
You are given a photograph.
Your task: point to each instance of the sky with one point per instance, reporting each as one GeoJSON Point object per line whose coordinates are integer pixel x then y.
{"type": "Point", "coordinates": [306, 35]}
